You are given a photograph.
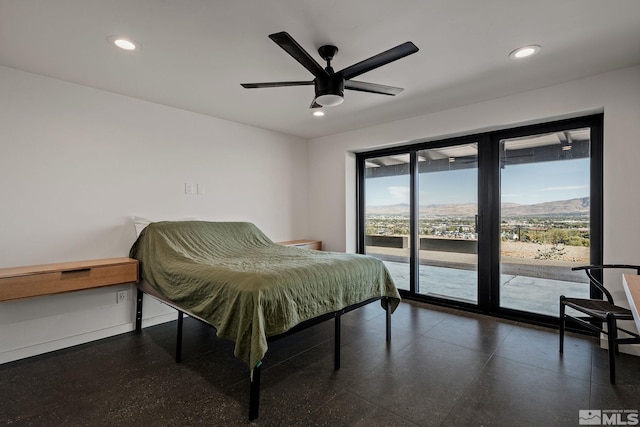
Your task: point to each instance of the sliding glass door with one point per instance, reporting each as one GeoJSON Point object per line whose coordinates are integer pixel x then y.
{"type": "Point", "coordinates": [387, 214]}
{"type": "Point", "coordinates": [447, 222]}
{"type": "Point", "coordinates": [493, 221]}
{"type": "Point", "coordinates": [544, 219]}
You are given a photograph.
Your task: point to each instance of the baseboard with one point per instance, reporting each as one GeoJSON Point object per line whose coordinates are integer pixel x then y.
{"type": "Point", "coordinates": [157, 320]}
{"type": "Point", "coordinates": [632, 349]}
{"type": "Point", "coordinates": [61, 343]}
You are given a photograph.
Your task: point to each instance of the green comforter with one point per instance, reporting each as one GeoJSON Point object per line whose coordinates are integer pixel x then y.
{"type": "Point", "coordinates": [249, 288]}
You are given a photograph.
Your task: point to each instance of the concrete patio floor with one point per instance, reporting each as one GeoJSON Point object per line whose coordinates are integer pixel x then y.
{"type": "Point", "coordinates": [532, 294]}
{"type": "Point", "coordinates": [528, 285]}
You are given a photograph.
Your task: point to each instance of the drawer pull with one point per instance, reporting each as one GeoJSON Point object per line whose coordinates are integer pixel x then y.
{"type": "Point", "coordinates": [76, 272]}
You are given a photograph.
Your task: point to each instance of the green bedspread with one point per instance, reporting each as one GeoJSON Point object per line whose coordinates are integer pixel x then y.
{"type": "Point", "coordinates": [249, 288]}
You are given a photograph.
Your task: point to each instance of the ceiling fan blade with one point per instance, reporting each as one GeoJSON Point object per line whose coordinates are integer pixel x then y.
{"type": "Point", "coordinates": [314, 104]}
{"type": "Point", "coordinates": [372, 87]}
{"type": "Point", "coordinates": [274, 84]}
{"type": "Point", "coordinates": [286, 42]}
{"type": "Point", "coordinates": [379, 60]}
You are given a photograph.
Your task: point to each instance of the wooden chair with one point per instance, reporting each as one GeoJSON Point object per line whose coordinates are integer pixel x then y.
{"type": "Point", "coordinates": [600, 312]}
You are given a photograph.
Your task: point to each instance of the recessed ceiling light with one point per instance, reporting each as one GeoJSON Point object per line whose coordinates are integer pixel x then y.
{"type": "Point", "coordinates": [318, 113]}
{"type": "Point", "coordinates": [524, 51]}
{"type": "Point", "coordinates": [123, 43]}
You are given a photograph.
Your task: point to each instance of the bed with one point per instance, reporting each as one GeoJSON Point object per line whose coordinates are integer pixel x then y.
{"type": "Point", "coordinates": [250, 289]}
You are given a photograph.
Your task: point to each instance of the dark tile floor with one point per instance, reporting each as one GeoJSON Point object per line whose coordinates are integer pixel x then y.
{"type": "Point", "coordinates": [443, 367]}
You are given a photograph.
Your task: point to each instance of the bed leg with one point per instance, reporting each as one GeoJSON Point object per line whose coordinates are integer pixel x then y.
{"type": "Point", "coordinates": [387, 309]}
{"type": "Point", "coordinates": [139, 311]}
{"type": "Point", "coordinates": [179, 338]}
{"type": "Point", "coordinates": [336, 355]}
{"type": "Point", "coordinates": [254, 393]}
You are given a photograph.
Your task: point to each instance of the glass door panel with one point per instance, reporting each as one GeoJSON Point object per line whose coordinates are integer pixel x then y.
{"type": "Point", "coordinates": [387, 214]}
{"type": "Point", "coordinates": [544, 219]}
{"type": "Point", "coordinates": [447, 222]}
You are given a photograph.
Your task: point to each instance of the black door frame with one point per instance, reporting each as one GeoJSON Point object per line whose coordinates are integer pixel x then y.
{"type": "Point", "coordinates": [489, 209]}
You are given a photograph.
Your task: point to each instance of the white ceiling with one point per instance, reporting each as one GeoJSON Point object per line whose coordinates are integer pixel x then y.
{"type": "Point", "coordinates": [195, 53]}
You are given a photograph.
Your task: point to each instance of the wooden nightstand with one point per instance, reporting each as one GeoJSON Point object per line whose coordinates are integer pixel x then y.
{"type": "Point", "coordinates": [47, 279]}
{"type": "Point", "coordinates": [306, 244]}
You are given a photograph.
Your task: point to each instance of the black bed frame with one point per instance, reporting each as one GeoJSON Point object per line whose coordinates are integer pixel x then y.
{"type": "Point", "coordinates": [254, 392]}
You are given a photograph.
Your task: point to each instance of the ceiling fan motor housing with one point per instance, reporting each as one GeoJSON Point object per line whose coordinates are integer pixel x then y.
{"type": "Point", "coordinates": [333, 85]}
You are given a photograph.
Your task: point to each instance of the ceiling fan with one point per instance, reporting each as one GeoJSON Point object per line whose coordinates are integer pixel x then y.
{"type": "Point", "coordinates": [330, 85]}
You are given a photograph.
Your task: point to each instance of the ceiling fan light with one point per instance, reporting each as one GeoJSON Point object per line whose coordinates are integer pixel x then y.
{"type": "Point", "coordinates": [329, 100]}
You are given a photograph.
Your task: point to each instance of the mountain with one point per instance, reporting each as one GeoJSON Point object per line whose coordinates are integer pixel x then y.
{"type": "Point", "coordinates": [578, 206]}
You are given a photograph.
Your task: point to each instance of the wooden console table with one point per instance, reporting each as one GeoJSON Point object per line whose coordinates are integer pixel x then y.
{"type": "Point", "coordinates": [631, 283]}
{"type": "Point", "coordinates": [48, 279]}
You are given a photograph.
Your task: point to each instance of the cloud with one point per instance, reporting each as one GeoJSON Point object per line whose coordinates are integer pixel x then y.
{"type": "Point", "coordinates": [566, 188]}
{"type": "Point", "coordinates": [399, 194]}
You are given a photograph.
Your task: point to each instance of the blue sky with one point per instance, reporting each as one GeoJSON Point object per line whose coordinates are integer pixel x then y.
{"type": "Point", "coordinates": [525, 184]}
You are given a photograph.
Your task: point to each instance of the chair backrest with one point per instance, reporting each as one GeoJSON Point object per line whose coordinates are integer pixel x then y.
{"type": "Point", "coordinates": [591, 269]}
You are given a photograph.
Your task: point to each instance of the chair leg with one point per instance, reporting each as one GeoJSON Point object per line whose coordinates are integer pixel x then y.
{"type": "Point", "coordinates": [562, 321]}
{"type": "Point", "coordinates": [612, 334]}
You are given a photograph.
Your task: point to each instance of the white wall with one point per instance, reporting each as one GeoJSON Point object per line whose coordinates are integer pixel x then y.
{"type": "Point", "coordinates": [332, 164]}
{"type": "Point", "coordinates": [77, 163]}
